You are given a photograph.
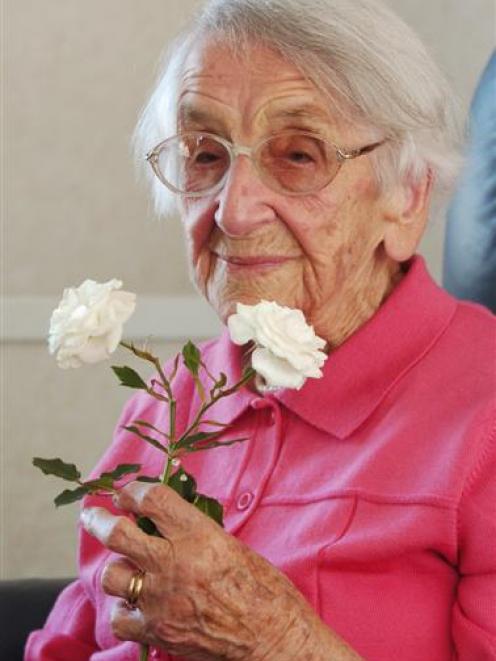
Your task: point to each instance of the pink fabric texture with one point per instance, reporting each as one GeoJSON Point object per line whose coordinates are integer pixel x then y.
{"type": "Point", "coordinates": [373, 488]}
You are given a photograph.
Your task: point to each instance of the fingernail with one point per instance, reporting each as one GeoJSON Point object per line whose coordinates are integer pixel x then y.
{"type": "Point", "coordinates": [136, 490]}
{"type": "Point", "coordinates": [85, 517]}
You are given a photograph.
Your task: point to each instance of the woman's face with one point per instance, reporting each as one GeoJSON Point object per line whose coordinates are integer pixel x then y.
{"type": "Point", "coordinates": [316, 252]}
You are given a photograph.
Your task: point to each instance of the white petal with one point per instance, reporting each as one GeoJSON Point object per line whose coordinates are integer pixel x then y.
{"type": "Point", "coordinates": [123, 305]}
{"type": "Point", "coordinates": [113, 338]}
{"type": "Point", "coordinates": [240, 331]}
{"type": "Point", "coordinates": [286, 334]}
{"type": "Point", "coordinates": [66, 360]}
{"type": "Point", "coordinates": [94, 351]}
{"type": "Point", "coordinates": [277, 372]}
{"type": "Point", "coordinates": [87, 325]}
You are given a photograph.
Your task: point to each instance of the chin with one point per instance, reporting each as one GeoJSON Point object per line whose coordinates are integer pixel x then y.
{"type": "Point", "coordinates": [225, 307]}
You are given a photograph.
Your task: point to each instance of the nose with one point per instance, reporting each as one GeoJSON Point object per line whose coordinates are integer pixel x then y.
{"type": "Point", "coordinates": [244, 202]}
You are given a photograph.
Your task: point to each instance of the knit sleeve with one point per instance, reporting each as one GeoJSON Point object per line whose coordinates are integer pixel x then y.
{"type": "Point", "coordinates": [69, 631]}
{"type": "Point", "coordinates": [474, 616]}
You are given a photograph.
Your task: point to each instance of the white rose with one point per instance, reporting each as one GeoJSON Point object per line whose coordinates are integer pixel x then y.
{"type": "Point", "coordinates": [86, 327]}
{"type": "Point", "coordinates": [287, 349]}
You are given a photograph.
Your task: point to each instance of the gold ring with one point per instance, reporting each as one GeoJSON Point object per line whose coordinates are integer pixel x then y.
{"type": "Point", "coordinates": [135, 588]}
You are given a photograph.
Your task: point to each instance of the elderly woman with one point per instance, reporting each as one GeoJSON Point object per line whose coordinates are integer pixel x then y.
{"type": "Point", "coordinates": [301, 140]}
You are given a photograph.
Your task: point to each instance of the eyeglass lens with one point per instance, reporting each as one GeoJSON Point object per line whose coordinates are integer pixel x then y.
{"type": "Point", "coordinates": [291, 162]}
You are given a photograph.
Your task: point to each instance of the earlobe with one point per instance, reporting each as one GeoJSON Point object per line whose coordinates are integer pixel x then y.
{"type": "Point", "coordinates": [405, 226]}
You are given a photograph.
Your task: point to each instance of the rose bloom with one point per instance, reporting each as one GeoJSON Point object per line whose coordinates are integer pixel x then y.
{"type": "Point", "coordinates": [287, 348]}
{"type": "Point", "coordinates": [86, 327]}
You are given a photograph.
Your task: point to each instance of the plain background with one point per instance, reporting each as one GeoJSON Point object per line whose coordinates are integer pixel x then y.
{"type": "Point", "coordinates": [75, 76]}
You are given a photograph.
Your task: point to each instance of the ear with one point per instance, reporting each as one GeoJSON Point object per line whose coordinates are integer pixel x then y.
{"type": "Point", "coordinates": [407, 217]}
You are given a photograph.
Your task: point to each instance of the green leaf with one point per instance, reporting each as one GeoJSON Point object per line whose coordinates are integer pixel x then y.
{"type": "Point", "coordinates": [184, 484]}
{"type": "Point", "coordinates": [147, 526]}
{"type": "Point", "coordinates": [129, 377]}
{"type": "Point", "coordinates": [213, 444]}
{"type": "Point", "coordinates": [58, 468]}
{"type": "Point", "coordinates": [191, 357]}
{"type": "Point", "coordinates": [148, 478]}
{"type": "Point", "coordinates": [122, 469]}
{"type": "Point", "coordinates": [70, 496]}
{"type": "Point", "coordinates": [188, 441]}
{"type": "Point", "coordinates": [211, 507]}
{"type": "Point", "coordinates": [105, 482]}
{"type": "Point", "coordinates": [148, 439]}
{"type": "Point", "coordinates": [148, 425]}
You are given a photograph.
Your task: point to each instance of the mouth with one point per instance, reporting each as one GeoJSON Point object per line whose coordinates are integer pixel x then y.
{"type": "Point", "coordinates": [259, 262]}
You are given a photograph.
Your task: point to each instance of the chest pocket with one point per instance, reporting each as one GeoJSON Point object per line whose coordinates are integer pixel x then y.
{"type": "Point", "coordinates": [387, 579]}
{"type": "Point", "coordinates": [292, 536]}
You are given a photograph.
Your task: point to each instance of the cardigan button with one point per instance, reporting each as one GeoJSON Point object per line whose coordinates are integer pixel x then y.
{"type": "Point", "coordinates": [259, 403]}
{"type": "Point", "coordinates": [245, 500]}
{"type": "Point", "coordinates": [155, 653]}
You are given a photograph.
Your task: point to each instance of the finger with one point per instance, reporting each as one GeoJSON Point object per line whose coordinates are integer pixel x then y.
{"type": "Point", "coordinates": [163, 505]}
{"type": "Point", "coordinates": [122, 536]}
{"type": "Point", "coordinates": [128, 624]}
{"type": "Point", "coordinates": [116, 577]}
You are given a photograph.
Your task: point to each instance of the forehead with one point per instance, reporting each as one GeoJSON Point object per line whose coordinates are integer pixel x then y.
{"type": "Point", "coordinates": [257, 87]}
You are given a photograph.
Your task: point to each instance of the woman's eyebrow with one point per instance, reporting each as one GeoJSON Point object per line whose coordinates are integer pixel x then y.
{"type": "Point", "coordinates": [193, 114]}
{"type": "Point", "coordinates": [189, 114]}
{"type": "Point", "coordinates": [307, 112]}
{"type": "Point", "coordinates": [305, 117]}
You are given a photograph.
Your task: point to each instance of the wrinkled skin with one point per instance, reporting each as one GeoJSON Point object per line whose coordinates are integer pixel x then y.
{"type": "Point", "coordinates": [205, 594]}
{"type": "Point", "coordinates": [334, 254]}
{"type": "Point", "coordinates": [340, 247]}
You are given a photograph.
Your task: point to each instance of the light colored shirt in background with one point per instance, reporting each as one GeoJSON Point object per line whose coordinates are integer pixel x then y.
{"type": "Point", "coordinates": [470, 246]}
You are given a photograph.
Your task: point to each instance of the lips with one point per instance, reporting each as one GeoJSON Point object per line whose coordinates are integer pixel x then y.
{"type": "Point", "coordinates": [253, 261]}
{"type": "Point", "coordinates": [237, 263]}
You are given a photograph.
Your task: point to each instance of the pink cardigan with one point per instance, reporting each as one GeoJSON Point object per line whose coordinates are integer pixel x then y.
{"type": "Point", "coordinates": [373, 488]}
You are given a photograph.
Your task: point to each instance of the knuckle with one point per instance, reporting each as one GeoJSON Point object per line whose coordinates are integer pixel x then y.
{"type": "Point", "coordinates": [106, 577]}
{"type": "Point", "coordinates": [154, 499]}
{"type": "Point", "coordinates": [111, 572]}
{"type": "Point", "coordinates": [117, 625]}
{"type": "Point", "coordinates": [118, 534]}
{"type": "Point", "coordinates": [153, 555]}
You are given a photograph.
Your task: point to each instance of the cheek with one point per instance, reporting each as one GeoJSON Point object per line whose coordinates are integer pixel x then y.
{"type": "Point", "coordinates": [352, 219]}
{"type": "Point", "coordinates": [364, 199]}
{"type": "Point", "coordinates": [198, 222]}
{"type": "Point", "coordinates": [337, 229]}
{"type": "Point", "coordinates": [317, 225]}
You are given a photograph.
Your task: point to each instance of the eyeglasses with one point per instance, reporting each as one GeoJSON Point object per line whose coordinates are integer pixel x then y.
{"type": "Point", "coordinates": [195, 163]}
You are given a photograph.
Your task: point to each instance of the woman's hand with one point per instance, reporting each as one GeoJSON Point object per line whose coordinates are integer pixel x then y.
{"type": "Point", "coordinates": [205, 595]}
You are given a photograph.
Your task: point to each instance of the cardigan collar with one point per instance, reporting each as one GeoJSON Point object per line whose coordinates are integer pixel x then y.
{"type": "Point", "coordinates": [360, 372]}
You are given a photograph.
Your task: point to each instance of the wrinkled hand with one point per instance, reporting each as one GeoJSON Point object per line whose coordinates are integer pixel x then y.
{"type": "Point", "coordinates": [205, 594]}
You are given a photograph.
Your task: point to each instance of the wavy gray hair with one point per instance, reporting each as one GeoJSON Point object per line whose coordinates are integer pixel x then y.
{"type": "Point", "coordinates": [369, 63]}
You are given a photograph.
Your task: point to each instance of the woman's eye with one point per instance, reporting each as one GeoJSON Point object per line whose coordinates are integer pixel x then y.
{"type": "Point", "coordinates": [300, 157]}
{"type": "Point", "coordinates": [205, 158]}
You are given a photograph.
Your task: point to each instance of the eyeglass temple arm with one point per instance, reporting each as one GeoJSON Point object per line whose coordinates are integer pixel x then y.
{"type": "Point", "coordinates": [348, 155]}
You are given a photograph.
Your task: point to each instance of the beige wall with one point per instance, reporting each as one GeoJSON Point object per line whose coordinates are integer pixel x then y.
{"type": "Point", "coordinates": [76, 74]}
{"type": "Point", "coordinates": [51, 413]}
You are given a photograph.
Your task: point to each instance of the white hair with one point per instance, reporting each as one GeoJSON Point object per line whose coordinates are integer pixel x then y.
{"type": "Point", "coordinates": [363, 57]}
